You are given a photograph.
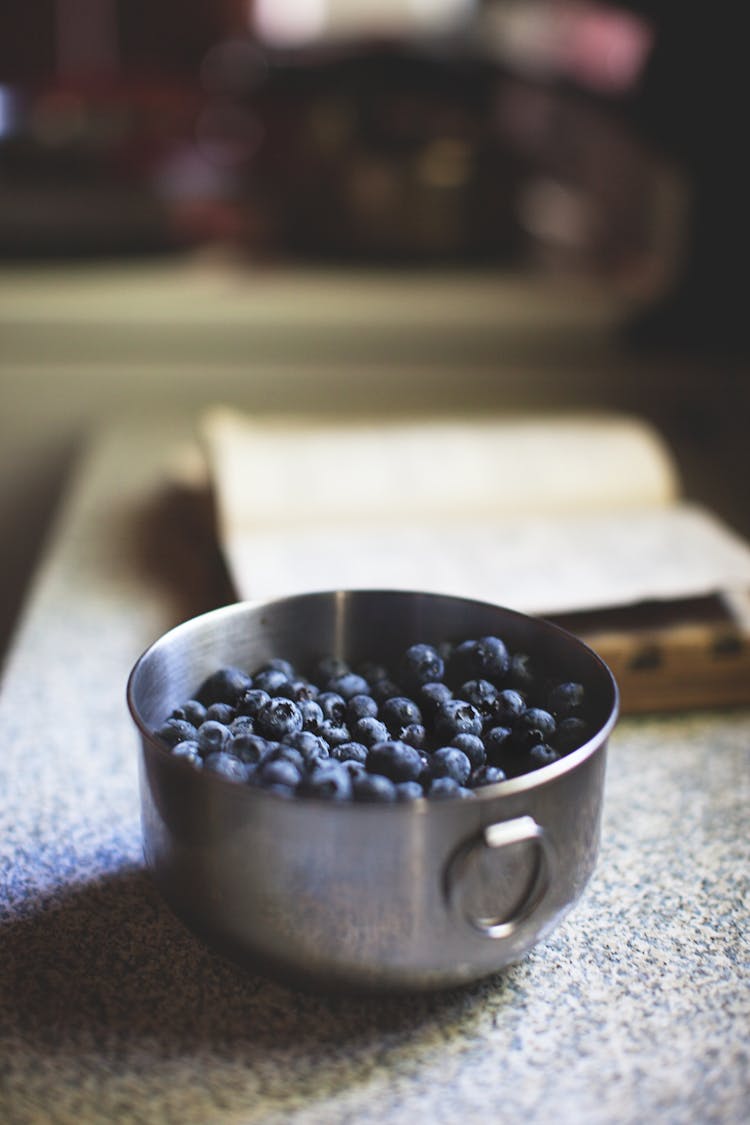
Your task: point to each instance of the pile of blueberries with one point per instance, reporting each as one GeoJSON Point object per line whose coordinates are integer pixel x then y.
{"type": "Point", "coordinates": [445, 721]}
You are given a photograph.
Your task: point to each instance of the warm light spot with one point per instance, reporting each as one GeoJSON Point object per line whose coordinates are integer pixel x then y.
{"type": "Point", "coordinates": [555, 213]}
{"type": "Point", "coordinates": [289, 23]}
{"type": "Point", "coordinates": [444, 163]}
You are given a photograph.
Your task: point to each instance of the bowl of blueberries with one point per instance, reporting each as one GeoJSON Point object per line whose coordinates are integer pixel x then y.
{"type": "Point", "coordinates": [371, 789]}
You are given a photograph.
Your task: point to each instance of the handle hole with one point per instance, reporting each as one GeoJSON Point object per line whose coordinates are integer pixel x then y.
{"type": "Point", "coordinates": [496, 880]}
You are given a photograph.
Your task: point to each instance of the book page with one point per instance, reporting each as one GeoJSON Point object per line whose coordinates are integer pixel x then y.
{"type": "Point", "coordinates": [354, 508]}
{"type": "Point", "coordinates": [553, 565]}
{"type": "Point", "coordinates": [287, 471]}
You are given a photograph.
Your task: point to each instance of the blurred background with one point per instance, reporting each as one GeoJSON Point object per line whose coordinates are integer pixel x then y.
{"type": "Point", "coordinates": [367, 205]}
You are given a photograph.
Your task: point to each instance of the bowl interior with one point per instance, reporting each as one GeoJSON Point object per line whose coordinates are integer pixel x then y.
{"type": "Point", "coordinates": [356, 625]}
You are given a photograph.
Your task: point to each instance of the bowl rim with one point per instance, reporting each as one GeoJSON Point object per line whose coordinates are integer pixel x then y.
{"type": "Point", "coordinates": [532, 779]}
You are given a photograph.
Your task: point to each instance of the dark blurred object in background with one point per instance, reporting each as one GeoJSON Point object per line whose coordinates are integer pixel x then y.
{"type": "Point", "coordinates": [76, 161]}
{"type": "Point", "coordinates": [675, 75]}
{"type": "Point", "coordinates": [692, 104]}
{"type": "Point", "coordinates": [372, 132]}
{"type": "Point", "coordinates": [558, 134]}
{"type": "Point", "coordinates": [92, 93]}
{"type": "Point", "coordinates": [387, 154]}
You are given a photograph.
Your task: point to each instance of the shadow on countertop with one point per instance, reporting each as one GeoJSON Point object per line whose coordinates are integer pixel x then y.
{"type": "Point", "coordinates": [176, 547]}
{"type": "Point", "coordinates": [108, 1001]}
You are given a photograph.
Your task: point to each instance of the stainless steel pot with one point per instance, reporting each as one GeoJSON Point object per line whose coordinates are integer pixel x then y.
{"type": "Point", "coordinates": [414, 895]}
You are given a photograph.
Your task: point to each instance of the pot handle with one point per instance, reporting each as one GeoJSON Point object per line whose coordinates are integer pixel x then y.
{"type": "Point", "coordinates": [501, 834]}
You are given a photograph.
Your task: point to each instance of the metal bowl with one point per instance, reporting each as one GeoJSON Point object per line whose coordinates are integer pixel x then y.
{"type": "Point", "coordinates": [414, 895]}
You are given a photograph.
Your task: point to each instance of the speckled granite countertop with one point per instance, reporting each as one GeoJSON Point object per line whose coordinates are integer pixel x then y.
{"type": "Point", "coordinates": [636, 1009]}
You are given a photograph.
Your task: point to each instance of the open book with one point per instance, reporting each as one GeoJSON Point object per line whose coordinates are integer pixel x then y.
{"type": "Point", "coordinates": [573, 517]}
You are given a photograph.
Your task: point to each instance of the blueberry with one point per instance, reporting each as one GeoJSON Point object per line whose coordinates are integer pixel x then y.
{"type": "Point", "coordinates": [281, 665]}
{"type": "Point", "coordinates": [372, 671]}
{"type": "Point", "coordinates": [430, 696]}
{"type": "Point", "coordinates": [348, 685]}
{"type": "Point", "coordinates": [334, 733]}
{"type": "Point", "coordinates": [301, 690]}
{"type": "Point", "coordinates": [242, 724]}
{"type": "Point", "coordinates": [415, 734]}
{"type": "Point", "coordinates": [572, 732]}
{"type": "Point", "coordinates": [361, 706]}
{"type": "Point", "coordinates": [224, 686]}
{"type": "Point", "coordinates": [487, 775]}
{"type": "Point", "coordinates": [372, 787]}
{"type": "Point", "coordinates": [443, 787]}
{"type": "Point", "coordinates": [220, 713]}
{"type": "Point", "coordinates": [473, 748]}
{"type": "Point", "coordinates": [353, 768]}
{"type": "Point", "coordinates": [278, 664]}
{"type": "Point", "coordinates": [327, 667]}
{"type": "Point", "coordinates": [491, 659]}
{"type": "Point", "coordinates": [330, 781]}
{"type": "Point", "coordinates": [395, 760]}
{"type": "Point", "coordinates": [250, 748]}
{"type": "Point", "coordinates": [369, 731]}
{"type": "Point", "coordinates": [226, 765]}
{"type": "Point", "coordinates": [450, 762]}
{"type": "Point", "coordinates": [482, 695]}
{"type": "Point", "coordinates": [420, 664]}
{"type": "Point", "coordinates": [565, 699]}
{"type": "Point", "coordinates": [350, 752]}
{"type": "Point", "coordinates": [384, 689]}
{"type": "Point", "coordinates": [333, 706]}
{"type": "Point", "coordinates": [456, 717]}
{"type": "Point", "coordinates": [188, 751]}
{"type": "Point", "coordinates": [176, 730]}
{"type": "Point", "coordinates": [280, 774]}
{"type": "Point", "coordinates": [278, 787]}
{"type": "Point", "coordinates": [312, 747]}
{"type": "Point", "coordinates": [425, 774]}
{"type": "Point", "coordinates": [486, 659]}
{"type": "Point", "coordinates": [271, 680]}
{"type": "Point", "coordinates": [497, 743]}
{"type": "Point", "coordinates": [281, 752]}
{"type": "Point", "coordinates": [534, 725]}
{"type": "Point", "coordinates": [279, 717]}
{"type": "Point", "coordinates": [274, 748]}
{"type": "Point", "coordinates": [521, 672]}
{"type": "Point", "coordinates": [510, 706]}
{"type": "Point", "coordinates": [399, 712]}
{"type": "Point", "coordinates": [252, 702]}
{"type": "Point", "coordinates": [312, 715]}
{"type": "Point", "coordinates": [409, 791]}
{"type": "Point", "coordinates": [542, 755]}
{"type": "Point", "coordinates": [213, 736]}
{"type": "Point", "coordinates": [192, 711]}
